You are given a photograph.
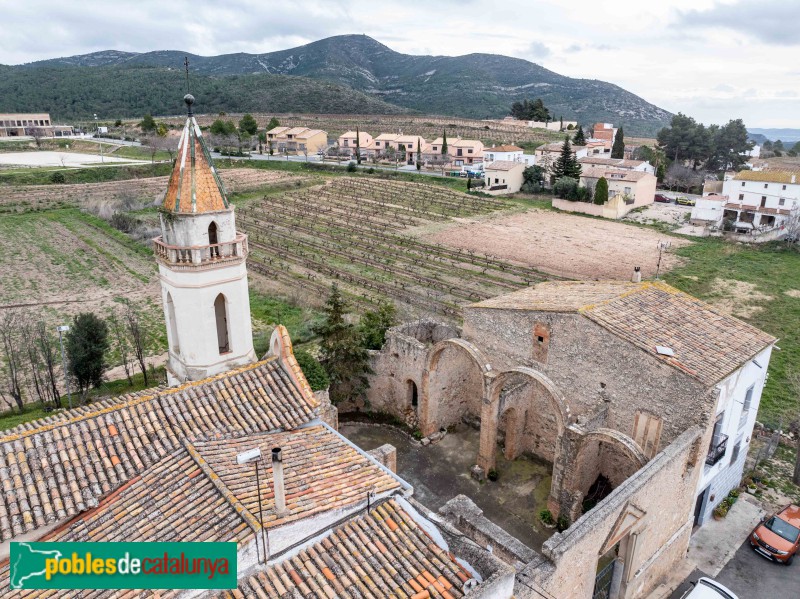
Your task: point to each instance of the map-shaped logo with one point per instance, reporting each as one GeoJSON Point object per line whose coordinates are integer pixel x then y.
{"type": "Point", "coordinates": [29, 563]}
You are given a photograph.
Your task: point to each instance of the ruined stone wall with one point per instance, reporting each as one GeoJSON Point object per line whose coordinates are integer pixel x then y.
{"type": "Point", "coordinates": [592, 367]}
{"type": "Point", "coordinates": [654, 508]}
{"type": "Point", "coordinates": [399, 363]}
{"type": "Point", "coordinates": [527, 423]}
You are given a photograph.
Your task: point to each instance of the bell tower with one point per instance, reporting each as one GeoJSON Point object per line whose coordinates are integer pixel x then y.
{"type": "Point", "coordinates": [202, 267]}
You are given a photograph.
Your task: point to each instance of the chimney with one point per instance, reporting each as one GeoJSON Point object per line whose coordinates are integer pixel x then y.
{"type": "Point", "coordinates": [277, 481]}
{"type": "Point", "coordinates": [637, 274]}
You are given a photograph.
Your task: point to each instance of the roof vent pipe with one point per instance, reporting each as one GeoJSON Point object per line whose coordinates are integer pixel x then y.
{"type": "Point", "coordinates": [277, 481]}
{"type": "Point", "coordinates": [637, 274]}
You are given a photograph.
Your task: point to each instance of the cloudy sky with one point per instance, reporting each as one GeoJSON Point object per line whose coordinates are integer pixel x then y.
{"type": "Point", "coordinates": [712, 59]}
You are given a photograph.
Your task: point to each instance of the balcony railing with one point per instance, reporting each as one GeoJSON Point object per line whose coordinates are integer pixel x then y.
{"type": "Point", "coordinates": [717, 450]}
{"type": "Point", "coordinates": [201, 255]}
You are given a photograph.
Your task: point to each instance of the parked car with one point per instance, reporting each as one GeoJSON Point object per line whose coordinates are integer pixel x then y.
{"type": "Point", "coordinates": [778, 537]}
{"type": "Point", "coordinates": [663, 199]}
{"type": "Point", "coordinates": [684, 201]}
{"type": "Point", "coordinates": [705, 588]}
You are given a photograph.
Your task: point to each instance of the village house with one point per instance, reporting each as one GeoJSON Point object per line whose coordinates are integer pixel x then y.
{"type": "Point", "coordinates": [508, 153]}
{"type": "Point", "coordinates": [503, 177]}
{"type": "Point", "coordinates": [297, 141]}
{"type": "Point", "coordinates": [347, 142]}
{"type": "Point", "coordinates": [760, 202]}
{"type": "Point", "coordinates": [618, 163]}
{"type": "Point", "coordinates": [238, 450]}
{"type": "Point", "coordinates": [637, 188]}
{"type": "Point", "coordinates": [648, 414]}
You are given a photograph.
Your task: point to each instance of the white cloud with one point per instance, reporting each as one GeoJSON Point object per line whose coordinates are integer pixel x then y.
{"type": "Point", "coordinates": [672, 53]}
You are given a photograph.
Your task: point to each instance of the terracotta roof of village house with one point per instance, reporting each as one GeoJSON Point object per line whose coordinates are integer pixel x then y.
{"type": "Point", "coordinates": [613, 174]}
{"type": "Point", "coordinates": [503, 149]}
{"type": "Point", "coordinates": [277, 130]}
{"type": "Point", "coordinates": [708, 345]}
{"type": "Point", "coordinates": [322, 471]}
{"type": "Point", "coordinates": [194, 186]}
{"type": "Point", "coordinates": [378, 555]}
{"type": "Point", "coordinates": [503, 165]}
{"type": "Point", "coordinates": [55, 468]}
{"type": "Point", "coordinates": [769, 176]}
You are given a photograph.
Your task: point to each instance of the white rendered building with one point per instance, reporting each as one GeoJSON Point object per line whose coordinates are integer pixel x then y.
{"type": "Point", "coordinates": [202, 267]}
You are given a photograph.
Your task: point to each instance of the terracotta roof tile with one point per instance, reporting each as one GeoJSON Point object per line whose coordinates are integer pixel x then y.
{"type": "Point", "coordinates": [503, 165]}
{"type": "Point", "coordinates": [364, 558]}
{"type": "Point", "coordinates": [57, 467]}
{"type": "Point", "coordinates": [708, 344]}
{"type": "Point", "coordinates": [505, 148]}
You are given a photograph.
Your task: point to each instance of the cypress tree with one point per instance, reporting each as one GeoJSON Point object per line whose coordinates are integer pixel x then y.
{"type": "Point", "coordinates": [419, 154]}
{"type": "Point", "coordinates": [358, 147]}
{"type": "Point", "coordinates": [580, 138]}
{"type": "Point", "coordinates": [444, 142]}
{"type": "Point", "coordinates": [601, 191]}
{"type": "Point", "coordinates": [618, 149]}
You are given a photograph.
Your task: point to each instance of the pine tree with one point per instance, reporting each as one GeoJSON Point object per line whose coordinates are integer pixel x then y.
{"type": "Point", "coordinates": [358, 147]}
{"type": "Point", "coordinates": [444, 142]}
{"type": "Point", "coordinates": [566, 164]}
{"type": "Point", "coordinates": [148, 124]}
{"type": "Point", "coordinates": [601, 191]}
{"type": "Point", "coordinates": [342, 352]}
{"type": "Point", "coordinates": [618, 149]}
{"type": "Point", "coordinates": [580, 138]}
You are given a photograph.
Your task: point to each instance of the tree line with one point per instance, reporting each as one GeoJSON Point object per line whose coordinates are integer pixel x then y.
{"type": "Point", "coordinates": [32, 369]}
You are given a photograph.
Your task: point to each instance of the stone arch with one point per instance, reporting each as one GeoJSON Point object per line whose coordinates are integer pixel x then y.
{"type": "Point", "coordinates": [601, 454]}
{"type": "Point", "coordinates": [223, 328]}
{"type": "Point", "coordinates": [457, 390]}
{"type": "Point", "coordinates": [412, 394]}
{"type": "Point", "coordinates": [213, 239]}
{"type": "Point", "coordinates": [536, 410]}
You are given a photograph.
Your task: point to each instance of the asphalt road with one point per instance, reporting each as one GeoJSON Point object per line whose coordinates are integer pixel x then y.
{"type": "Point", "coordinates": [750, 575]}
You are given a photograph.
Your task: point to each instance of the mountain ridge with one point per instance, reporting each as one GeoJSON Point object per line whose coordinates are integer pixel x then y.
{"type": "Point", "coordinates": [477, 85]}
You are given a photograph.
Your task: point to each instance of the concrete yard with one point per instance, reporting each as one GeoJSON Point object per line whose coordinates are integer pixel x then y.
{"type": "Point", "coordinates": [66, 159]}
{"type": "Point", "coordinates": [440, 471]}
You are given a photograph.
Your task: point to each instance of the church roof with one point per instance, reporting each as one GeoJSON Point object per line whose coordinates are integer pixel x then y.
{"type": "Point", "coordinates": [57, 467]}
{"type": "Point", "coordinates": [195, 185]}
{"type": "Point", "coordinates": [706, 344]}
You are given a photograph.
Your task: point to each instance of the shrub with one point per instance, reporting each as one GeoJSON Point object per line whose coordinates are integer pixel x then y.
{"type": "Point", "coordinates": [492, 475]}
{"type": "Point", "coordinates": [546, 517]}
{"type": "Point", "coordinates": [58, 177]}
{"type": "Point", "coordinates": [351, 167]}
{"type": "Point", "coordinates": [371, 170]}
{"type": "Point", "coordinates": [562, 524]}
{"type": "Point", "coordinates": [566, 188]}
{"type": "Point", "coordinates": [124, 222]}
{"type": "Point", "coordinates": [315, 374]}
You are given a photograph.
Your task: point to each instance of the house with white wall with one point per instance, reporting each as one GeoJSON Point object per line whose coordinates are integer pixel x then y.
{"type": "Point", "coordinates": [503, 177]}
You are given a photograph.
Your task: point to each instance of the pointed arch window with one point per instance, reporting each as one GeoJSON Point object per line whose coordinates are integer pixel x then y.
{"type": "Point", "coordinates": [221, 317]}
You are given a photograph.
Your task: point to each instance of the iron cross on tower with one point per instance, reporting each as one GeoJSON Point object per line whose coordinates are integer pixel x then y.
{"type": "Point", "coordinates": [186, 65]}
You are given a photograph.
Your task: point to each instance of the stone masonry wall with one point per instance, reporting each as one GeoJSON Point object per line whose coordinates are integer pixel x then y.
{"type": "Point", "coordinates": [656, 502]}
{"type": "Point", "coordinates": [591, 366]}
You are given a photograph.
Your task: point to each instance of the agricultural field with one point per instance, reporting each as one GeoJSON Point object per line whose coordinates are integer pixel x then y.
{"type": "Point", "coordinates": [360, 233]}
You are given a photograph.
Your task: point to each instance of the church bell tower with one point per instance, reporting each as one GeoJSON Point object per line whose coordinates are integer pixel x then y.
{"type": "Point", "coordinates": [202, 267]}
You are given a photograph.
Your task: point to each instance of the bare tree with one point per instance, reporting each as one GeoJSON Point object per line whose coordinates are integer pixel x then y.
{"type": "Point", "coordinates": [794, 424]}
{"type": "Point", "coordinates": [37, 133]}
{"type": "Point", "coordinates": [45, 343]}
{"type": "Point", "coordinates": [13, 355]}
{"type": "Point", "coordinates": [153, 145]}
{"type": "Point", "coordinates": [792, 225]}
{"type": "Point", "coordinates": [137, 335]}
{"type": "Point", "coordinates": [121, 342]}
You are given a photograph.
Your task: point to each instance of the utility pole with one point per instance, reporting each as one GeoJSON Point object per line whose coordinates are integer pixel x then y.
{"type": "Point", "coordinates": [63, 329]}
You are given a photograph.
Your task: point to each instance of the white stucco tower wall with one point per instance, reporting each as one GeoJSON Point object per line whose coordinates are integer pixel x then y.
{"type": "Point", "coordinates": [202, 268]}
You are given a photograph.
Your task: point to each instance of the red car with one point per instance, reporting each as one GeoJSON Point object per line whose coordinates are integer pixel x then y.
{"type": "Point", "coordinates": [662, 198]}
{"type": "Point", "coordinates": [778, 537]}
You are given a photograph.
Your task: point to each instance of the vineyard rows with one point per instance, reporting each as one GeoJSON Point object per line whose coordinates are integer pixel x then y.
{"type": "Point", "coordinates": [351, 231]}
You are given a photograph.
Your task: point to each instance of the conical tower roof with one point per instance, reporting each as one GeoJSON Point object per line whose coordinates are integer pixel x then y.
{"type": "Point", "coordinates": [195, 185]}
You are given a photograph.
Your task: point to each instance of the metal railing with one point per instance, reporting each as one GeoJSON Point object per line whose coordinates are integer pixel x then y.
{"type": "Point", "coordinates": [201, 255]}
{"type": "Point", "coordinates": [717, 450]}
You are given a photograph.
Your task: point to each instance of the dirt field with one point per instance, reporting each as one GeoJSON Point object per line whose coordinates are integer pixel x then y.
{"type": "Point", "coordinates": [25, 197]}
{"type": "Point", "coordinates": [562, 244]}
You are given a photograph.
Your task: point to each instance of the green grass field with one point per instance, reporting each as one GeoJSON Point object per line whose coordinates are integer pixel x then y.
{"type": "Point", "coordinates": [772, 270]}
{"type": "Point", "coordinates": [43, 176]}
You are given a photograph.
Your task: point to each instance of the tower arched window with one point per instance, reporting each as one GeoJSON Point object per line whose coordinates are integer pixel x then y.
{"type": "Point", "coordinates": [173, 325]}
{"type": "Point", "coordinates": [221, 317]}
{"type": "Point", "coordinates": [213, 240]}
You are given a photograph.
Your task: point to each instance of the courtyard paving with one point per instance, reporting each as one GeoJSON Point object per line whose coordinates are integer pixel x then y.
{"type": "Point", "coordinates": [440, 471]}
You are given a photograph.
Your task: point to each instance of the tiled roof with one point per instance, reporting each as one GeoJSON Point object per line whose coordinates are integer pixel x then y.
{"type": "Point", "coordinates": [504, 149]}
{"type": "Point", "coordinates": [503, 165]}
{"type": "Point", "coordinates": [613, 174]}
{"type": "Point", "coordinates": [55, 468]}
{"type": "Point", "coordinates": [194, 186]}
{"type": "Point", "coordinates": [769, 176]}
{"type": "Point", "coordinates": [321, 472]}
{"type": "Point", "coordinates": [277, 130]}
{"type": "Point", "coordinates": [378, 555]}
{"type": "Point", "coordinates": [295, 131]}
{"type": "Point", "coordinates": [309, 133]}
{"type": "Point", "coordinates": [708, 345]}
{"type": "Point", "coordinates": [599, 160]}
{"type": "Point", "coordinates": [387, 136]}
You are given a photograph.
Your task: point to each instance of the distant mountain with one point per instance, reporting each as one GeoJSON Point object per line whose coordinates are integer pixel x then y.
{"type": "Point", "coordinates": [474, 85]}
{"type": "Point", "coordinates": [785, 135]}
